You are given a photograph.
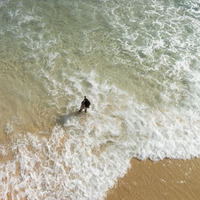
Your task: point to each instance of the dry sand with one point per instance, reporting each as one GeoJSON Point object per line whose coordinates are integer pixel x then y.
{"type": "Point", "coordinates": [162, 180]}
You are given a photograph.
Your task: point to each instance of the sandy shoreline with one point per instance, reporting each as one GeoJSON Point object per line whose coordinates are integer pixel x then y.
{"type": "Point", "coordinates": [166, 179]}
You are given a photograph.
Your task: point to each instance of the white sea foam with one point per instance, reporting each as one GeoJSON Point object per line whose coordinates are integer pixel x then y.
{"type": "Point", "coordinates": [144, 100]}
{"type": "Point", "coordinates": [71, 169]}
{"type": "Point", "coordinates": [86, 153]}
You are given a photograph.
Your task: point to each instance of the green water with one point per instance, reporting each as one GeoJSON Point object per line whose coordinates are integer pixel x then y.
{"type": "Point", "coordinates": [136, 61]}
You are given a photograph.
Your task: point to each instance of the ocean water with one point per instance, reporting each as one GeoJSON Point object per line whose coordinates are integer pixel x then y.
{"type": "Point", "coordinates": [137, 61]}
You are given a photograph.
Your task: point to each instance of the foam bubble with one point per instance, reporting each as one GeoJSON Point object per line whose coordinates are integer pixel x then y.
{"type": "Point", "coordinates": [9, 128]}
{"type": "Point", "coordinates": [69, 168]}
{"type": "Point", "coordinates": [84, 156]}
{"type": "Point", "coordinates": [144, 100]}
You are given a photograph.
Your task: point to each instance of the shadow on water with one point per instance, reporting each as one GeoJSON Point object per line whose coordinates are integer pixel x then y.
{"type": "Point", "coordinates": [62, 120]}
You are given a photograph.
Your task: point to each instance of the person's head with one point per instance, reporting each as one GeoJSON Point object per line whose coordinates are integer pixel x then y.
{"type": "Point", "coordinates": [84, 97]}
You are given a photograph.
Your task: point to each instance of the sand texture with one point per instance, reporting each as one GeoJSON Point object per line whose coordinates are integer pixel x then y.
{"type": "Point", "coordinates": [166, 180]}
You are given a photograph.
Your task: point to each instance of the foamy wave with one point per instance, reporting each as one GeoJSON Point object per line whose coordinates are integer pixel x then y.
{"type": "Point", "coordinates": [162, 44]}
{"type": "Point", "coordinates": [144, 93]}
{"type": "Point", "coordinates": [86, 153]}
{"type": "Point", "coordinates": [61, 167]}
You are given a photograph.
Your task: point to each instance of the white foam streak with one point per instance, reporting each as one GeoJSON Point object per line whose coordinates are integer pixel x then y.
{"type": "Point", "coordinates": [83, 158]}
{"type": "Point", "coordinates": [84, 154]}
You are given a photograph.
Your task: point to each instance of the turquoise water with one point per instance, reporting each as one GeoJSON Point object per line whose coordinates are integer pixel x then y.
{"type": "Point", "coordinates": [138, 64]}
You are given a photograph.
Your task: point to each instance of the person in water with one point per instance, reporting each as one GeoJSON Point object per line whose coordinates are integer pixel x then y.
{"type": "Point", "coordinates": [85, 104]}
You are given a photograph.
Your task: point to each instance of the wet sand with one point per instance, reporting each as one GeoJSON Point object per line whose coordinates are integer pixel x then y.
{"type": "Point", "coordinates": [162, 180]}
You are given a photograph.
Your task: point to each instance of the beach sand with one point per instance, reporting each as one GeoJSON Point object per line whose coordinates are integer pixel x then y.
{"type": "Point", "coordinates": [163, 180]}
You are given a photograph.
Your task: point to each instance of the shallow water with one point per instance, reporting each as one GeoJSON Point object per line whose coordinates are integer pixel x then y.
{"type": "Point", "coordinates": [138, 64]}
